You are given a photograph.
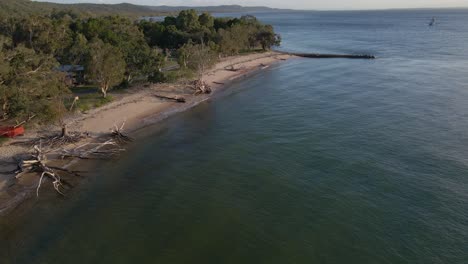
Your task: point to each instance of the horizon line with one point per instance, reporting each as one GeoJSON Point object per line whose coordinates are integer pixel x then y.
{"type": "Point", "coordinates": [281, 8]}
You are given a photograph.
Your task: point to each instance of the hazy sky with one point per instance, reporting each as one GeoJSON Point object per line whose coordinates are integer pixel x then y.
{"type": "Point", "coordinates": [296, 4]}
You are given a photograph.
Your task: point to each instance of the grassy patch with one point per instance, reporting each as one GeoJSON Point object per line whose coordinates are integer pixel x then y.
{"type": "Point", "coordinates": [171, 63]}
{"type": "Point", "coordinates": [3, 140]}
{"type": "Point", "coordinates": [89, 101]}
{"type": "Point", "coordinates": [84, 89]}
{"type": "Point", "coordinates": [181, 74]}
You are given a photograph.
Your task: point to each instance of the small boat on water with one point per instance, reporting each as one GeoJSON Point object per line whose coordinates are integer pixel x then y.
{"type": "Point", "coordinates": [432, 23]}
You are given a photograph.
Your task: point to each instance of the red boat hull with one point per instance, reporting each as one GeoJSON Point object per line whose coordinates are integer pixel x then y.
{"type": "Point", "coordinates": [11, 132]}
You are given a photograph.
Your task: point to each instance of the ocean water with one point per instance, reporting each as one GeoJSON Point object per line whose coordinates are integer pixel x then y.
{"type": "Point", "coordinates": [308, 161]}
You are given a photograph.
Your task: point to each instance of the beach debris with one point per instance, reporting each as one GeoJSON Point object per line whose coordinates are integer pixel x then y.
{"type": "Point", "coordinates": [37, 164]}
{"type": "Point", "coordinates": [234, 69]}
{"type": "Point", "coordinates": [13, 131]}
{"type": "Point", "coordinates": [118, 134]}
{"type": "Point", "coordinates": [178, 99]}
{"type": "Point", "coordinates": [201, 87]}
{"type": "Point", "coordinates": [231, 68]}
{"type": "Point", "coordinates": [75, 100]}
{"type": "Point", "coordinates": [46, 150]}
{"type": "Point", "coordinates": [91, 150]}
{"type": "Point", "coordinates": [55, 140]}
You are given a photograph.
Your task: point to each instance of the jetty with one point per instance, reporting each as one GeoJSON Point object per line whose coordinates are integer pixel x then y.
{"type": "Point", "coordinates": [328, 56]}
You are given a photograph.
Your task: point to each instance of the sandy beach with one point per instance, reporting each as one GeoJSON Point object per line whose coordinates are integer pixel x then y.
{"type": "Point", "coordinates": [138, 107]}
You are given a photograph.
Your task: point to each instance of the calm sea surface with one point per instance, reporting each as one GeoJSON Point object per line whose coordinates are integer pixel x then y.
{"type": "Point", "coordinates": [309, 161]}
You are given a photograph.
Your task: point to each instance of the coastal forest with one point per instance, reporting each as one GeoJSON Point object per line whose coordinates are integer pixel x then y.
{"type": "Point", "coordinates": [40, 51]}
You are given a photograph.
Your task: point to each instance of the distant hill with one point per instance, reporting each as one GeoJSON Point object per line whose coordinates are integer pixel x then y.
{"type": "Point", "coordinates": [12, 7]}
{"type": "Point", "coordinates": [215, 9]}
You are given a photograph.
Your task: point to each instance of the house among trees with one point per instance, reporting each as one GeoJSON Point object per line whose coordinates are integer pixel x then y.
{"type": "Point", "coordinates": [74, 74]}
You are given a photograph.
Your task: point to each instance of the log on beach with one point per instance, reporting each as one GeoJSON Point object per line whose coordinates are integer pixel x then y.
{"type": "Point", "coordinates": [174, 98]}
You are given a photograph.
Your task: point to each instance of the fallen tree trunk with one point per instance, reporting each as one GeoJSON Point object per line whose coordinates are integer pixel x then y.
{"type": "Point", "coordinates": [38, 164]}
{"type": "Point", "coordinates": [175, 98]}
{"type": "Point", "coordinates": [119, 135]}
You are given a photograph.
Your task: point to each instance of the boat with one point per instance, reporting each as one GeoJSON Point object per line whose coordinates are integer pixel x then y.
{"type": "Point", "coordinates": [11, 131]}
{"type": "Point", "coordinates": [432, 23]}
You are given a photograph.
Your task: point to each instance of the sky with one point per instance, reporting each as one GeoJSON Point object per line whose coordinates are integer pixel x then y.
{"type": "Point", "coordinates": [294, 4]}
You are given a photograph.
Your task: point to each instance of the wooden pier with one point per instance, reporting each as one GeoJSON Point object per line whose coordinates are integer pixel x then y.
{"type": "Point", "coordinates": [329, 56]}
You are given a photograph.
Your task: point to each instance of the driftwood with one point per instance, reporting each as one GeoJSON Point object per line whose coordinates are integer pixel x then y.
{"type": "Point", "coordinates": [201, 87]}
{"type": "Point", "coordinates": [231, 68]}
{"type": "Point", "coordinates": [219, 83]}
{"type": "Point", "coordinates": [37, 164]}
{"type": "Point", "coordinates": [18, 124]}
{"type": "Point", "coordinates": [56, 140]}
{"type": "Point", "coordinates": [104, 150]}
{"type": "Point", "coordinates": [175, 98]}
{"type": "Point", "coordinates": [118, 134]}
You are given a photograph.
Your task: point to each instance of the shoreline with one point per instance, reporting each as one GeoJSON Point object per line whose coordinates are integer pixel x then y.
{"type": "Point", "coordinates": [138, 108]}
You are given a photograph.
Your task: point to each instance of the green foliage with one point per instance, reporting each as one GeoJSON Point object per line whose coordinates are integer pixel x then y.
{"type": "Point", "coordinates": [3, 140]}
{"type": "Point", "coordinates": [29, 84]}
{"type": "Point", "coordinates": [113, 50]}
{"type": "Point", "coordinates": [106, 65]}
{"type": "Point", "coordinates": [187, 21]}
{"type": "Point", "coordinates": [267, 38]}
{"type": "Point", "coordinates": [89, 101]}
{"type": "Point", "coordinates": [206, 20]}
{"type": "Point", "coordinates": [226, 35]}
{"type": "Point", "coordinates": [197, 57]}
{"type": "Point", "coordinates": [157, 77]}
{"type": "Point", "coordinates": [140, 59]}
{"type": "Point", "coordinates": [174, 76]}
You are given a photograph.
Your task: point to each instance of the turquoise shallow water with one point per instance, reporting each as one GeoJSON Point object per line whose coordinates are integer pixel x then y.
{"type": "Point", "coordinates": [309, 161]}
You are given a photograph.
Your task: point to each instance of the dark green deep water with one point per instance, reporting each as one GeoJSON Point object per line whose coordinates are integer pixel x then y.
{"type": "Point", "coordinates": [309, 161]}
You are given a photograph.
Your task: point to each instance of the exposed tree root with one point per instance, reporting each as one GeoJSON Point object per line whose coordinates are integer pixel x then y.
{"type": "Point", "coordinates": [37, 162]}
{"type": "Point", "coordinates": [118, 134]}
{"type": "Point", "coordinates": [55, 141]}
{"type": "Point", "coordinates": [201, 87]}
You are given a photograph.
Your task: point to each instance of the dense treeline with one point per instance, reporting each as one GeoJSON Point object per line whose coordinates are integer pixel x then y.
{"type": "Point", "coordinates": [112, 50]}
{"type": "Point", "coordinates": [224, 35]}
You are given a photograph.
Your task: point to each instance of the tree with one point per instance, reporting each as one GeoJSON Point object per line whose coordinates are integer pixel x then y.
{"type": "Point", "coordinates": [267, 37]}
{"type": "Point", "coordinates": [126, 36]}
{"type": "Point", "coordinates": [234, 40]}
{"type": "Point", "coordinates": [106, 65]}
{"type": "Point", "coordinates": [187, 21]}
{"type": "Point", "coordinates": [206, 20]}
{"type": "Point", "coordinates": [197, 57]}
{"type": "Point", "coordinates": [30, 84]}
{"type": "Point", "coordinates": [78, 52]}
